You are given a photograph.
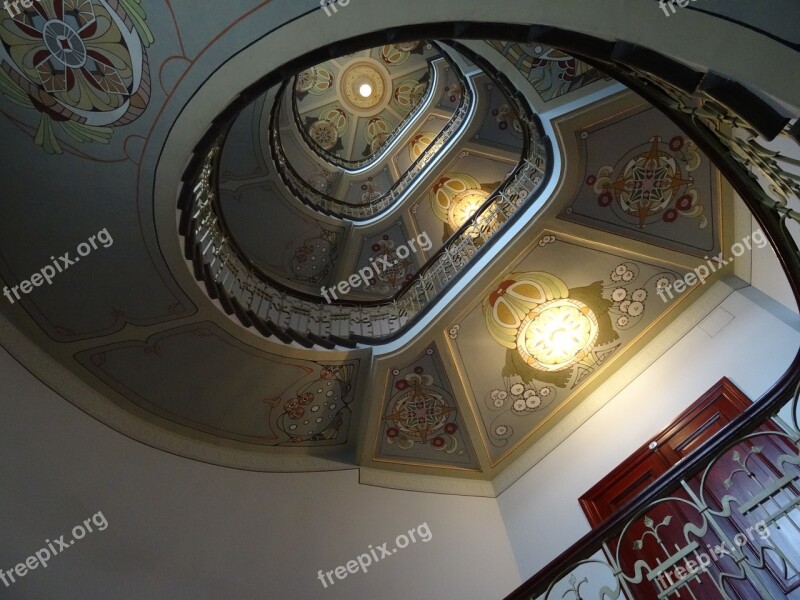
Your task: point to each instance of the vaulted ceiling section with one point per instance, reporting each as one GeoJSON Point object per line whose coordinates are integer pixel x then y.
{"type": "Point", "coordinates": [531, 212]}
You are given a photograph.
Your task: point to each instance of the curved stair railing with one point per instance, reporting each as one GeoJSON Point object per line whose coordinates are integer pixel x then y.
{"type": "Point", "coordinates": [274, 309]}
{"type": "Point", "coordinates": [330, 206]}
{"type": "Point", "coordinates": [355, 165]}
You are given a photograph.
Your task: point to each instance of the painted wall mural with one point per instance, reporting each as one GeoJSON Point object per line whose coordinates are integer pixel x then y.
{"type": "Point", "coordinates": [312, 259]}
{"type": "Point", "coordinates": [82, 65]}
{"type": "Point", "coordinates": [658, 187]}
{"type": "Point", "coordinates": [184, 375]}
{"type": "Point", "coordinates": [551, 72]}
{"type": "Point", "coordinates": [421, 420]}
{"type": "Point", "coordinates": [550, 331]}
{"type": "Point", "coordinates": [316, 411]}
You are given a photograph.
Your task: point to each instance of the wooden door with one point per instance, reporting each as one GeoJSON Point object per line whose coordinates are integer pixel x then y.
{"type": "Point", "coordinates": [659, 536]}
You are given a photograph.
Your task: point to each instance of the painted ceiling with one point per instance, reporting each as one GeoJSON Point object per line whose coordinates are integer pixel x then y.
{"type": "Point", "coordinates": [337, 120]}
{"type": "Point", "coordinates": [633, 205]}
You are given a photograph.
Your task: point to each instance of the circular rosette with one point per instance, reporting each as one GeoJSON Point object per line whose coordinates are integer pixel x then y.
{"type": "Point", "coordinates": [500, 433]}
{"type": "Point", "coordinates": [420, 412]}
{"type": "Point", "coordinates": [497, 399]}
{"type": "Point", "coordinates": [419, 143]}
{"type": "Point", "coordinates": [320, 180]}
{"type": "Point", "coordinates": [516, 296]}
{"type": "Point", "coordinates": [445, 191]}
{"type": "Point", "coordinates": [324, 134]}
{"type": "Point", "coordinates": [79, 60]}
{"type": "Point", "coordinates": [647, 184]}
{"type": "Point", "coordinates": [304, 80]}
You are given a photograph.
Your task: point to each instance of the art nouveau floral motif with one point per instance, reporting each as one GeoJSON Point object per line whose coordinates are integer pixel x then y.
{"type": "Point", "coordinates": [80, 63]}
{"type": "Point", "coordinates": [421, 419]}
{"type": "Point", "coordinates": [652, 183]}
{"type": "Point", "coordinates": [556, 336]}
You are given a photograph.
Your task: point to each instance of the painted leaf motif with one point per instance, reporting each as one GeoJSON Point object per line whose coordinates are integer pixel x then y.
{"type": "Point", "coordinates": [666, 520]}
{"type": "Point", "coordinates": [757, 449]}
{"type": "Point", "coordinates": [735, 455]}
{"type": "Point", "coordinates": [728, 483]}
{"type": "Point", "coordinates": [638, 545]}
{"type": "Point", "coordinates": [648, 522]}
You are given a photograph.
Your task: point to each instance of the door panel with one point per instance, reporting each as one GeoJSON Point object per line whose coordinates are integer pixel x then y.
{"type": "Point", "coordinates": [675, 532]}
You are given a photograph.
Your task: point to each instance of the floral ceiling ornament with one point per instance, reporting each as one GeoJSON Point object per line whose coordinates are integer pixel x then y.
{"type": "Point", "coordinates": [420, 413]}
{"type": "Point", "coordinates": [316, 81]}
{"type": "Point", "coordinates": [551, 72]}
{"type": "Point", "coordinates": [390, 279]}
{"type": "Point", "coordinates": [455, 197]}
{"type": "Point", "coordinates": [556, 336]}
{"type": "Point", "coordinates": [312, 260]}
{"type": "Point", "coordinates": [82, 64]}
{"type": "Point", "coordinates": [396, 54]}
{"type": "Point", "coordinates": [419, 143]}
{"type": "Point", "coordinates": [328, 129]}
{"type": "Point", "coordinates": [316, 412]}
{"type": "Point", "coordinates": [652, 183]}
{"type": "Point", "coordinates": [377, 133]}
{"type": "Point", "coordinates": [505, 114]}
{"type": "Point", "coordinates": [410, 92]}
{"type": "Point", "coordinates": [549, 331]}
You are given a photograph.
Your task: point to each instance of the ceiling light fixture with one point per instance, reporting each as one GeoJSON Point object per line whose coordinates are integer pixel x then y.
{"type": "Point", "coordinates": [557, 334]}
{"type": "Point", "coordinates": [365, 90]}
{"type": "Point", "coordinates": [464, 206]}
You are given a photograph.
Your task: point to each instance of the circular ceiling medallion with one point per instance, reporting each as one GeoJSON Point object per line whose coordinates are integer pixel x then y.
{"type": "Point", "coordinates": [324, 133]}
{"type": "Point", "coordinates": [364, 86]}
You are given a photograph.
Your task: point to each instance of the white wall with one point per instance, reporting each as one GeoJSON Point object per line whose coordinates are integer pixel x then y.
{"type": "Point", "coordinates": [182, 529]}
{"type": "Point", "coordinates": [541, 510]}
{"type": "Point", "coordinates": [770, 279]}
{"type": "Point", "coordinates": [767, 274]}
